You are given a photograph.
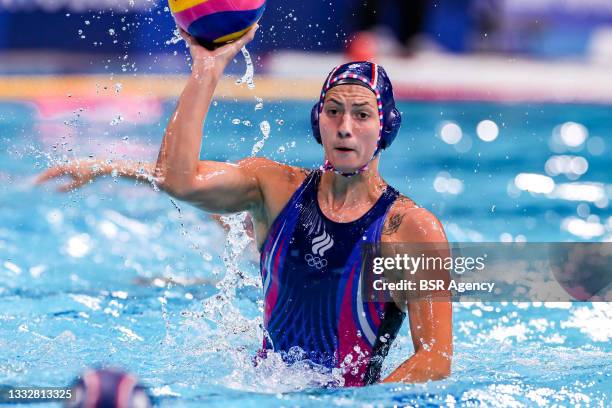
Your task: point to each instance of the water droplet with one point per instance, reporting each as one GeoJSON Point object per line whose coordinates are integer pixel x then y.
{"type": "Point", "coordinates": [250, 71]}
{"type": "Point", "coordinates": [264, 127]}
{"type": "Point", "coordinates": [259, 104]}
{"type": "Point", "coordinates": [116, 121]}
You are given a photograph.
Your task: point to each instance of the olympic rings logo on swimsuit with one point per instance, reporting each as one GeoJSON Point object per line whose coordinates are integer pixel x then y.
{"type": "Point", "coordinates": [315, 261]}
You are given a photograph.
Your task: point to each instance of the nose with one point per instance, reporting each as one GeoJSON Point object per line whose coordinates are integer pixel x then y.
{"type": "Point", "coordinates": [346, 126]}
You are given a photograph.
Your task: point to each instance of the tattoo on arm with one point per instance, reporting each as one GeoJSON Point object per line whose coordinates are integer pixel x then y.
{"type": "Point", "coordinates": [402, 200]}
{"type": "Point", "coordinates": [393, 224]}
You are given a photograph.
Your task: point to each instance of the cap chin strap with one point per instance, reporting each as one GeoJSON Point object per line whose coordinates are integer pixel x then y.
{"type": "Point", "coordinates": [328, 166]}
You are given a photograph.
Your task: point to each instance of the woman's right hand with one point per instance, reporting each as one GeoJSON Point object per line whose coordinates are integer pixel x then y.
{"type": "Point", "coordinates": [218, 58]}
{"type": "Point", "coordinates": [80, 171]}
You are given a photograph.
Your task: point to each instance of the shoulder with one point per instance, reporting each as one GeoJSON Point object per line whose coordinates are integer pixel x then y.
{"type": "Point", "coordinates": [271, 172]}
{"type": "Point", "coordinates": [408, 222]}
{"type": "Point", "coordinates": [262, 165]}
{"type": "Point", "coordinates": [276, 181]}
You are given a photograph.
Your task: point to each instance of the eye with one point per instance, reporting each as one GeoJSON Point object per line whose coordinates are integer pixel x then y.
{"type": "Point", "coordinates": [332, 111]}
{"type": "Point", "coordinates": [363, 115]}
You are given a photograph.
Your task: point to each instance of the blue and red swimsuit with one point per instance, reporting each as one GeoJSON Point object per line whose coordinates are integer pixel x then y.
{"type": "Point", "coordinates": [311, 268]}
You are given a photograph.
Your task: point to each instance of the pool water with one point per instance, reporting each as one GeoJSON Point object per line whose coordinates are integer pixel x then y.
{"type": "Point", "coordinates": [84, 276]}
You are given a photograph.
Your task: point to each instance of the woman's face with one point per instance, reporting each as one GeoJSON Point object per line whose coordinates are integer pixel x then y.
{"type": "Point", "coordinates": [349, 126]}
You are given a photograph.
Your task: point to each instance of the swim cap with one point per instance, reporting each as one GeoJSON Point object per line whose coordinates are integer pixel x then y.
{"type": "Point", "coordinates": [108, 388]}
{"type": "Point", "coordinates": [373, 77]}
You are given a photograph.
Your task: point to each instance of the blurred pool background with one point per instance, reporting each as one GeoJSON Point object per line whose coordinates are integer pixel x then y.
{"type": "Point", "coordinates": [117, 273]}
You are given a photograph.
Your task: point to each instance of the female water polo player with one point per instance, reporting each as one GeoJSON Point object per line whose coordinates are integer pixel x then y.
{"type": "Point", "coordinates": [309, 224]}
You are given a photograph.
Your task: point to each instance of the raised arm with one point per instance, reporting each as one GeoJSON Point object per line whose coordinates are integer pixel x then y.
{"type": "Point", "coordinates": [213, 186]}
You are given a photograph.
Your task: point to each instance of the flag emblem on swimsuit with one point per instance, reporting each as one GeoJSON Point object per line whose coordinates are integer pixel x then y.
{"type": "Point", "coordinates": [322, 243]}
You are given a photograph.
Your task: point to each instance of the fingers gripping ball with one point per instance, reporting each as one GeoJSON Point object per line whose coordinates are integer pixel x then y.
{"type": "Point", "coordinates": [216, 22]}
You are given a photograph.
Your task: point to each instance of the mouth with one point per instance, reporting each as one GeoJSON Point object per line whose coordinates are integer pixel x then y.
{"type": "Point", "coordinates": [344, 149]}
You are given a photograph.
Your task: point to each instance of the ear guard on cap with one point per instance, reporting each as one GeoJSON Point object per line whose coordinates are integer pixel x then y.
{"type": "Point", "coordinates": [314, 121]}
{"type": "Point", "coordinates": [391, 126]}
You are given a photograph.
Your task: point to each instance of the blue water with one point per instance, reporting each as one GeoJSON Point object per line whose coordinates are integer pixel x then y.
{"type": "Point", "coordinates": [84, 275]}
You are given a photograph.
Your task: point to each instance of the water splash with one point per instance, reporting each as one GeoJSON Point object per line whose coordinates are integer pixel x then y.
{"type": "Point", "coordinates": [265, 130]}
{"type": "Point", "coordinates": [176, 37]}
{"type": "Point", "coordinates": [273, 375]}
{"type": "Point", "coordinates": [236, 242]}
{"type": "Point", "coordinates": [233, 331]}
{"type": "Point", "coordinates": [250, 71]}
{"type": "Point", "coordinates": [183, 229]}
{"type": "Point", "coordinates": [163, 300]}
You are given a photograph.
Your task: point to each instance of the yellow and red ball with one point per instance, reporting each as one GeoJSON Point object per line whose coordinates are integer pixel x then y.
{"type": "Point", "coordinates": [216, 22]}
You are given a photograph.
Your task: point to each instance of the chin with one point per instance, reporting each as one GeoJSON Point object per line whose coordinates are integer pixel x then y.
{"type": "Point", "coordinates": [346, 166]}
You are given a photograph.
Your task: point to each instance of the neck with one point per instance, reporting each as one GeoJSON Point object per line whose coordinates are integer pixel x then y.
{"type": "Point", "coordinates": [365, 187]}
